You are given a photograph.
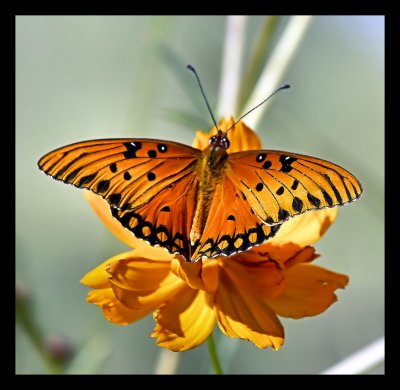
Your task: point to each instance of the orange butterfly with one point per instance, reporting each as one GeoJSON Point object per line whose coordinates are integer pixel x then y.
{"type": "Point", "coordinates": [201, 203]}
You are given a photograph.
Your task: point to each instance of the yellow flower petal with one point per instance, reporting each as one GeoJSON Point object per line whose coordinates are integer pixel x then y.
{"type": "Point", "coordinates": [143, 283]}
{"type": "Point", "coordinates": [242, 315]}
{"type": "Point", "coordinates": [261, 279]}
{"type": "Point", "coordinates": [210, 275]}
{"type": "Point", "coordinates": [99, 277]}
{"type": "Point", "coordinates": [298, 233]}
{"type": "Point", "coordinates": [113, 309]}
{"type": "Point", "coordinates": [201, 139]}
{"type": "Point", "coordinates": [186, 321]}
{"type": "Point", "coordinates": [241, 137]}
{"type": "Point", "coordinates": [305, 255]}
{"type": "Point", "coordinates": [102, 209]}
{"type": "Point", "coordinates": [188, 272]}
{"type": "Point", "coordinates": [310, 291]}
{"type": "Point", "coordinates": [201, 275]}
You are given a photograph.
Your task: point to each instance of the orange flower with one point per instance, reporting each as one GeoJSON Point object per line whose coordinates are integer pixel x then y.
{"type": "Point", "coordinates": [243, 293]}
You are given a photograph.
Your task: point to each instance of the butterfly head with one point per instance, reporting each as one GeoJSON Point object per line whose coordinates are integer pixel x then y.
{"type": "Point", "coordinates": [217, 149]}
{"type": "Point", "coordinates": [219, 141]}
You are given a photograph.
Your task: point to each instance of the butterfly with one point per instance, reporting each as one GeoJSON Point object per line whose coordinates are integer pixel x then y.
{"type": "Point", "coordinates": [201, 203]}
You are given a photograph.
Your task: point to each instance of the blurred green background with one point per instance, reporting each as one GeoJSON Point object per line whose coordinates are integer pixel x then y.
{"type": "Point", "coordinates": [85, 77]}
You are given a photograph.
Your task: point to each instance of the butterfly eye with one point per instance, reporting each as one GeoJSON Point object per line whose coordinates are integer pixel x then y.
{"type": "Point", "coordinates": [212, 139]}
{"type": "Point", "coordinates": [225, 142]}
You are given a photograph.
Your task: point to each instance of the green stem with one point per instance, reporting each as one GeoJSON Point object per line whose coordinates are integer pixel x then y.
{"type": "Point", "coordinates": [214, 356]}
{"type": "Point", "coordinates": [24, 318]}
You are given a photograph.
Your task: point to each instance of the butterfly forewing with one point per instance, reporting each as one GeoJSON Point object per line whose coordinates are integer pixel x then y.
{"type": "Point", "coordinates": [126, 172]}
{"type": "Point", "coordinates": [279, 185]}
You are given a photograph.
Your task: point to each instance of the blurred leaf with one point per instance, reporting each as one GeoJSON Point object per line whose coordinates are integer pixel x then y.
{"type": "Point", "coordinates": [189, 120]}
{"type": "Point", "coordinates": [185, 78]}
{"type": "Point", "coordinates": [257, 60]}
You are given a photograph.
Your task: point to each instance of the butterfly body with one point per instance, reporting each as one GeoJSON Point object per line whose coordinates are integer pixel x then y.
{"type": "Point", "coordinates": [211, 169]}
{"type": "Point", "coordinates": [201, 202]}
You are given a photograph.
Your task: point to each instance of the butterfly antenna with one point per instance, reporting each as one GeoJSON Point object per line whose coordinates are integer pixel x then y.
{"type": "Point", "coordinates": [191, 68]}
{"type": "Point", "coordinates": [285, 86]}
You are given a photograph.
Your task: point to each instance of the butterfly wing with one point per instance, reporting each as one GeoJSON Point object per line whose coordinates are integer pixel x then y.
{"type": "Point", "coordinates": [231, 226]}
{"type": "Point", "coordinates": [167, 218]}
{"type": "Point", "coordinates": [150, 184]}
{"type": "Point", "coordinates": [262, 189]}
{"type": "Point", "coordinates": [279, 185]}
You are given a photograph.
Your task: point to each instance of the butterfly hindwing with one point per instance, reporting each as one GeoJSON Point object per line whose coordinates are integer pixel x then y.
{"type": "Point", "coordinates": [279, 185]}
{"type": "Point", "coordinates": [167, 218]}
{"type": "Point", "coordinates": [231, 226]}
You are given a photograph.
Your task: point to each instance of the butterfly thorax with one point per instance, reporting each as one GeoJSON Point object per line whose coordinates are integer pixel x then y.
{"type": "Point", "coordinates": [210, 170]}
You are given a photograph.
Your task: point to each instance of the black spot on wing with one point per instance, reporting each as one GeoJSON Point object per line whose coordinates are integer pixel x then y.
{"type": "Point", "coordinates": [127, 175]}
{"type": "Point", "coordinates": [114, 213]}
{"type": "Point", "coordinates": [131, 149]}
{"type": "Point", "coordinates": [297, 204]}
{"type": "Point", "coordinates": [86, 179]}
{"type": "Point", "coordinates": [166, 209]}
{"type": "Point", "coordinates": [103, 186]}
{"type": "Point", "coordinates": [162, 148]}
{"type": "Point", "coordinates": [267, 164]}
{"type": "Point", "coordinates": [261, 157]}
{"type": "Point", "coordinates": [286, 162]}
{"type": "Point", "coordinates": [114, 199]}
{"type": "Point", "coordinates": [282, 214]}
{"type": "Point", "coordinates": [152, 153]}
{"type": "Point", "coordinates": [113, 167]}
{"type": "Point", "coordinates": [280, 190]}
{"type": "Point", "coordinates": [231, 218]}
{"type": "Point", "coordinates": [313, 200]}
{"type": "Point", "coordinates": [151, 176]}
{"type": "Point", "coordinates": [295, 184]}
{"type": "Point", "coordinates": [125, 206]}
{"type": "Point", "coordinates": [259, 187]}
